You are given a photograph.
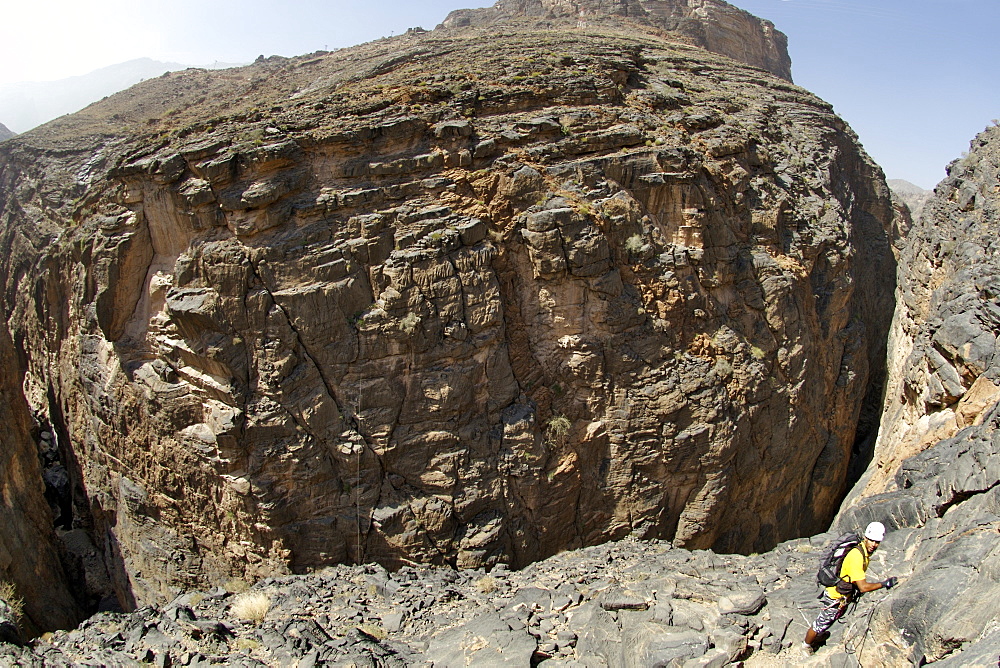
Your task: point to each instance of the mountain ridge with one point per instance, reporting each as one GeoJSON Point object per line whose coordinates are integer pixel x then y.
{"type": "Point", "coordinates": [28, 104]}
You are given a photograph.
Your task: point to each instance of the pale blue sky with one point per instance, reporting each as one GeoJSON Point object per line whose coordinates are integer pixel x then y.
{"type": "Point", "coordinates": [916, 79]}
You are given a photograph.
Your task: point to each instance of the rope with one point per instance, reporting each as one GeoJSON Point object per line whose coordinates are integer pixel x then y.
{"type": "Point", "coordinates": [851, 649]}
{"type": "Point", "coordinates": [357, 486]}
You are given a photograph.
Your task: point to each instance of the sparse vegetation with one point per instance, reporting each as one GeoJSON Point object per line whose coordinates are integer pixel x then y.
{"type": "Point", "coordinates": [251, 606]}
{"type": "Point", "coordinates": [246, 645]}
{"type": "Point", "coordinates": [409, 323]}
{"type": "Point", "coordinates": [8, 594]}
{"type": "Point", "coordinates": [723, 367]}
{"type": "Point", "coordinates": [486, 584]}
{"type": "Point", "coordinates": [758, 353]}
{"type": "Point", "coordinates": [374, 630]}
{"type": "Point", "coordinates": [256, 137]}
{"type": "Point", "coordinates": [634, 244]}
{"type": "Point", "coordinates": [236, 586]}
{"type": "Point", "coordinates": [558, 427]}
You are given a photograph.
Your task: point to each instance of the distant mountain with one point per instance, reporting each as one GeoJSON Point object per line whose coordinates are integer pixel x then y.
{"type": "Point", "coordinates": [5, 133]}
{"type": "Point", "coordinates": [912, 195]}
{"type": "Point", "coordinates": [26, 104]}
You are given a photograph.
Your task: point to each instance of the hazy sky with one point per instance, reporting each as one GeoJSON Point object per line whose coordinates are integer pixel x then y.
{"type": "Point", "coordinates": [916, 79]}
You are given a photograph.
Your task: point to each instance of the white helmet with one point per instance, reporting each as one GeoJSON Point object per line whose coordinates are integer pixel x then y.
{"type": "Point", "coordinates": [875, 531]}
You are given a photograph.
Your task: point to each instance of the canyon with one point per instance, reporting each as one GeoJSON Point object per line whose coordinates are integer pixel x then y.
{"type": "Point", "coordinates": [553, 285]}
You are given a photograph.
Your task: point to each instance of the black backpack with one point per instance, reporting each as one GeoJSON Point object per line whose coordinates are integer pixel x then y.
{"type": "Point", "coordinates": [829, 567]}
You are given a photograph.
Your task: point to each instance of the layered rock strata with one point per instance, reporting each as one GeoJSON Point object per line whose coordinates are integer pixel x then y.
{"type": "Point", "coordinates": [710, 24]}
{"type": "Point", "coordinates": [458, 297]}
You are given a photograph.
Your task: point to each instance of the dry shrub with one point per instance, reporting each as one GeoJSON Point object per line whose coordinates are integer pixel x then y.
{"type": "Point", "coordinates": [486, 584]}
{"type": "Point", "coordinates": [8, 594]}
{"type": "Point", "coordinates": [251, 606]}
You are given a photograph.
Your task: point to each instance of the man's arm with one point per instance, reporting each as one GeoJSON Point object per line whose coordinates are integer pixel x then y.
{"type": "Point", "coordinates": [866, 586]}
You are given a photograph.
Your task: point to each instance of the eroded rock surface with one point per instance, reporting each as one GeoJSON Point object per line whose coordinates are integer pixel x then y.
{"type": "Point", "coordinates": [464, 297]}
{"type": "Point", "coordinates": [29, 549]}
{"type": "Point", "coordinates": [944, 373]}
{"type": "Point", "coordinates": [632, 603]}
{"type": "Point", "coordinates": [711, 24]}
{"type": "Point", "coordinates": [936, 472]}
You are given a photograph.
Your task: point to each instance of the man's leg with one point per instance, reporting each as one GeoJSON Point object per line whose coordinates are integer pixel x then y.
{"type": "Point", "coordinates": [832, 610]}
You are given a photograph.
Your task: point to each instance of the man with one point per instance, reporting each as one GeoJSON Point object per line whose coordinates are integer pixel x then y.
{"type": "Point", "coordinates": [853, 583]}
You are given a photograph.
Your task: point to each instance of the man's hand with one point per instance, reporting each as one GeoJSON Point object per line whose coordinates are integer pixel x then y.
{"type": "Point", "coordinates": [889, 583]}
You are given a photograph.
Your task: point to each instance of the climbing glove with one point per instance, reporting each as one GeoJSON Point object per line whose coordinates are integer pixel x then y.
{"type": "Point", "coordinates": [890, 583]}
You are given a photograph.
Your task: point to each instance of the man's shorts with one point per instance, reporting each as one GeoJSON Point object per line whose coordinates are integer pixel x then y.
{"type": "Point", "coordinates": [832, 610]}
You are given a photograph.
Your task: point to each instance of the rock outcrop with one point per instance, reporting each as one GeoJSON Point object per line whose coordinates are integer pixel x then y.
{"type": "Point", "coordinates": [936, 472]}
{"type": "Point", "coordinates": [711, 24]}
{"type": "Point", "coordinates": [943, 375]}
{"type": "Point", "coordinates": [463, 297]}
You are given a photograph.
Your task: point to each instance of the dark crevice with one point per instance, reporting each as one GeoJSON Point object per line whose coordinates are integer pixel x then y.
{"type": "Point", "coordinates": [958, 497]}
{"type": "Point", "coordinates": [73, 510]}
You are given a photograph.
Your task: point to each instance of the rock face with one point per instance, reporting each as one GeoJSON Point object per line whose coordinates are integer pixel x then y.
{"type": "Point", "coordinates": [936, 472]}
{"type": "Point", "coordinates": [943, 371]}
{"type": "Point", "coordinates": [458, 297]}
{"type": "Point", "coordinates": [29, 550]}
{"type": "Point", "coordinates": [711, 24]}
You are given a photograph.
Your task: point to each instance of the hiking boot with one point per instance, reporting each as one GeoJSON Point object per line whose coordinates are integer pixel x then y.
{"type": "Point", "coordinates": [806, 650]}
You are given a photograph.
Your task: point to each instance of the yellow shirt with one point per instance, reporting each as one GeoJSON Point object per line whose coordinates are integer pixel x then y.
{"type": "Point", "coordinates": [852, 569]}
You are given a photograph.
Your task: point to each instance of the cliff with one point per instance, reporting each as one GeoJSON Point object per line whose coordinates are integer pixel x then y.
{"type": "Point", "coordinates": [942, 373]}
{"type": "Point", "coordinates": [936, 472]}
{"type": "Point", "coordinates": [464, 297]}
{"type": "Point", "coordinates": [642, 602]}
{"type": "Point", "coordinates": [30, 557]}
{"type": "Point", "coordinates": [710, 24]}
